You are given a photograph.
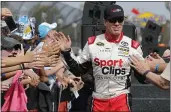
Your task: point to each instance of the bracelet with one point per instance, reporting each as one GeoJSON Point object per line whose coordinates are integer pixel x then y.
{"type": "Point", "coordinates": [3, 75]}
{"type": "Point", "coordinates": [21, 66]}
{"type": "Point", "coordinates": [146, 72]}
{"type": "Point", "coordinates": [66, 51]}
{"type": "Point", "coordinates": [156, 68]}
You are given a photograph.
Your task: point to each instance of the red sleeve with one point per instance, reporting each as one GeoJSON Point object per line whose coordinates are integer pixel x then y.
{"type": "Point", "coordinates": [91, 40]}
{"type": "Point", "coordinates": [135, 44]}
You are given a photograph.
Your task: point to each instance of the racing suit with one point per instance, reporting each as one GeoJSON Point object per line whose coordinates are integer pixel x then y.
{"type": "Point", "coordinates": [111, 69]}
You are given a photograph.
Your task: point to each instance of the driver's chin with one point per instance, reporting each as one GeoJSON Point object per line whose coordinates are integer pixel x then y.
{"type": "Point", "coordinates": [116, 32]}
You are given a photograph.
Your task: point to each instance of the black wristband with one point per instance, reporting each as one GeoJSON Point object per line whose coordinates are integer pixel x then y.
{"type": "Point", "coordinates": [67, 51]}
{"type": "Point", "coordinates": [23, 65]}
{"type": "Point", "coordinates": [146, 72]}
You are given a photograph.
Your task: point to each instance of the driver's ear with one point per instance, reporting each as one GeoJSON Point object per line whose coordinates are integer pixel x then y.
{"type": "Point", "coordinates": [105, 22]}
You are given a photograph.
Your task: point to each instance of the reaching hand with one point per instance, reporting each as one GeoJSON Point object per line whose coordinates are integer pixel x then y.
{"type": "Point", "coordinates": [155, 58]}
{"type": "Point", "coordinates": [21, 52]}
{"type": "Point", "coordinates": [4, 87]}
{"type": "Point", "coordinates": [140, 65]}
{"type": "Point", "coordinates": [64, 84]}
{"type": "Point", "coordinates": [78, 82]}
{"type": "Point", "coordinates": [153, 61]}
{"type": "Point", "coordinates": [3, 62]}
{"type": "Point", "coordinates": [53, 48]}
{"type": "Point", "coordinates": [73, 85]}
{"type": "Point", "coordinates": [60, 63]}
{"type": "Point", "coordinates": [65, 42]}
{"type": "Point", "coordinates": [34, 77]}
{"type": "Point", "coordinates": [33, 83]}
{"type": "Point", "coordinates": [35, 64]}
{"type": "Point", "coordinates": [29, 56]}
{"type": "Point", "coordinates": [5, 12]}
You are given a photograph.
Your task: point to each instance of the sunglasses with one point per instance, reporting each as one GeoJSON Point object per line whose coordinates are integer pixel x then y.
{"type": "Point", "coordinates": [118, 19]}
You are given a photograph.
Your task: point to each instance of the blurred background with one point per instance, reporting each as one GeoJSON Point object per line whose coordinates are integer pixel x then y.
{"type": "Point", "coordinates": [68, 15]}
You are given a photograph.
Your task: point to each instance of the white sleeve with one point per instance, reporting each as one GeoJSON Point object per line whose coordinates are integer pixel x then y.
{"type": "Point", "coordinates": [138, 52]}
{"type": "Point", "coordinates": [84, 56]}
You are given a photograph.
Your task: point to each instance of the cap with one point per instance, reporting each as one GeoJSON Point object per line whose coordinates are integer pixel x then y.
{"type": "Point", "coordinates": [44, 28]}
{"type": "Point", "coordinates": [9, 43]}
{"type": "Point", "coordinates": [113, 11]}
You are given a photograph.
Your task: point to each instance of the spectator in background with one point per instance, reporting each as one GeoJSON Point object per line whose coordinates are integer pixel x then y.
{"type": "Point", "coordinates": [12, 48]}
{"type": "Point", "coordinates": [27, 30]}
{"type": "Point", "coordinates": [47, 36]}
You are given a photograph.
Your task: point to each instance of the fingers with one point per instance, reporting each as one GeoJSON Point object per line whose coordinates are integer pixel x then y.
{"type": "Point", "coordinates": [158, 56]}
{"type": "Point", "coordinates": [154, 55]}
{"type": "Point", "coordinates": [38, 64]}
{"type": "Point", "coordinates": [40, 54]}
{"type": "Point", "coordinates": [64, 84]}
{"type": "Point", "coordinates": [6, 12]}
{"type": "Point", "coordinates": [61, 70]}
{"type": "Point", "coordinates": [133, 59]}
{"type": "Point", "coordinates": [53, 57]}
{"type": "Point", "coordinates": [132, 65]}
{"type": "Point", "coordinates": [150, 58]}
{"type": "Point", "coordinates": [4, 87]}
{"type": "Point", "coordinates": [53, 65]}
{"type": "Point", "coordinates": [62, 35]}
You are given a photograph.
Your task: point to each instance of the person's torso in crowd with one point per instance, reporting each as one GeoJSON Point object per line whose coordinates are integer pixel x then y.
{"type": "Point", "coordinates": [111, 67]}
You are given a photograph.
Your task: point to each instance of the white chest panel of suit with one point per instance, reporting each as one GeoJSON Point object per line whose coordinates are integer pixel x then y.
{"type": "Point", "coordinates": [110, 63]}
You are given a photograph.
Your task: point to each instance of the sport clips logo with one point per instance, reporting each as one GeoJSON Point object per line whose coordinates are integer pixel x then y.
{"type": "Point", "coordinates": [108, 66]}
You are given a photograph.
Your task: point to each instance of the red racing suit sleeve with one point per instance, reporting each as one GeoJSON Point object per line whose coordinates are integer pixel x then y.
{"type": "Point", "coordinates": [80, 64]}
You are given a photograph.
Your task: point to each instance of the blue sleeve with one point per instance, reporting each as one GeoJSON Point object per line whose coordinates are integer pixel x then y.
{"type": "Point", "coordinates": [3, 75]}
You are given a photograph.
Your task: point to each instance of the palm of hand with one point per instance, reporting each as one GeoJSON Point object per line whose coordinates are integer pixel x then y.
{"type": "Point", "coordinates": [65, 44]}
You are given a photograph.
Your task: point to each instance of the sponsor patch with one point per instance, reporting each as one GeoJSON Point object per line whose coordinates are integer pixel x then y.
{"type": "Point", "coordinates": [123, 51]}
{"type": "Point", "coordinates": [115, 78]}
{"type": "Point", "coordinates": [124, 44]}
{"type": "Point", "coordinates": [100, 44]}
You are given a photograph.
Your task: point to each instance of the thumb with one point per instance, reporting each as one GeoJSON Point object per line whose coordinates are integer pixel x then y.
{"type": "Point", "coordinates": [150, 57]}
{"type": "Point", "coordinates": [68, 38]}
{"type": "Point", "coordinates": [29, 50]}
{"type": "Point", "coordinates": [158, 56]}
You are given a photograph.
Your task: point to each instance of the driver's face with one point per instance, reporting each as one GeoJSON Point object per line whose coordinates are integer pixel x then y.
{"type": "Point", "coordinates": [114, 26]}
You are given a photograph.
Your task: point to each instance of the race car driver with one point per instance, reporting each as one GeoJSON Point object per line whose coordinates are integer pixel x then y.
{"type": "Point", "coordinates": [108, 54]}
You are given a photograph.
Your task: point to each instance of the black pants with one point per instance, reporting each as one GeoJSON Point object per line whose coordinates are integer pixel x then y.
{"type": "Point", "coordinates": [81, 103]}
